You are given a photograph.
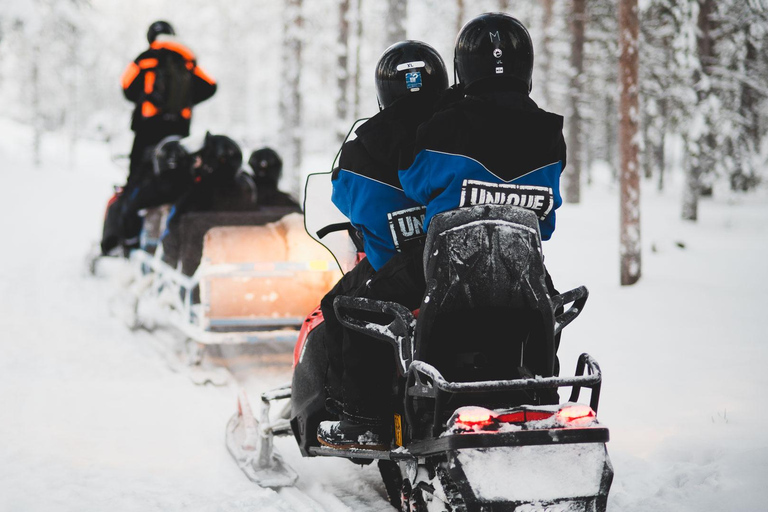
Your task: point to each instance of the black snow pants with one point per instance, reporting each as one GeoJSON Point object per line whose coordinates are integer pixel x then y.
{"type": "Point", "coordinates": [368, 363]}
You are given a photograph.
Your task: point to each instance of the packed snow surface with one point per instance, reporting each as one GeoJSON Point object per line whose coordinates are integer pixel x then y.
{"type": "Point", "coordinates": [91, 419]}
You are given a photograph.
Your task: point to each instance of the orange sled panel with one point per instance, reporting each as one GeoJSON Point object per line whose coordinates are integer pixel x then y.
{"type": "Point", "coordinates": [275, 273]}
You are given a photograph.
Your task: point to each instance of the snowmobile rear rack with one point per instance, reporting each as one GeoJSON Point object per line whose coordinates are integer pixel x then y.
{"type": "Point", "coordinates": [579, 298]}
{"type": "Point", "coordinates": [398, 332]}
{"type": "Point", "coordinates": [425, 381]}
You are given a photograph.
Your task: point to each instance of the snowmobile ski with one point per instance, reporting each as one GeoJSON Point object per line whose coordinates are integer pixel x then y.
{"type": "Point", "coordinates": [250, 444]}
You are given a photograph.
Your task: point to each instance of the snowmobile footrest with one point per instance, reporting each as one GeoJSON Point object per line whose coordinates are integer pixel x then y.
{"type": "Point", "coordinates": [354, 453]}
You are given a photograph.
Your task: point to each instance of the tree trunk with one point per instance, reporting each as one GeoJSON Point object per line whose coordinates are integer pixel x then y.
{"type": "Point", "coordinates": [573, 171]}
{"type": "Point", "coordinates": [658, 149]}
{"type": "Point", "coordinates": [342, 71]}
{"type": "Point", "coordinates": [460, 12]}
{"type": "Point", "coordinates": [647, 144]}
{"type": "Point", "coordinates": [546, 53]}
{"type": "Point", "coordinates": [396, 15]}
{"type": "Point", "coordinates": [358, 44]}
{"type": "Point", "coordinates": [700, 152]}
{"type": "Point", "coordinates": [628, 130]}
{"type": "Point", "coordinates": [37, 121]}
{"type": "Point", "coordinates": [610, 135]}
{"type": "Point", "coordinates": [290, 100]}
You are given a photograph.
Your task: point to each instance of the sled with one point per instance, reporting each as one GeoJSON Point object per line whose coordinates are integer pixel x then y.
{"type": "Point", "coordinates": [252, 286]}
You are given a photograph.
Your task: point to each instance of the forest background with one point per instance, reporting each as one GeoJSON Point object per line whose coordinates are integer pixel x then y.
{"type": "Point", "coordinates": [295, 74]}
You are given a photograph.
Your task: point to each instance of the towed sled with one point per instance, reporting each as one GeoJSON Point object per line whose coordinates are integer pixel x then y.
{"type": "Point", "coordinates": [234, 283]}
{"type": "Point", "coordinates": [479, 424]}
{"type": "Point", "coordinates": [240, 278]}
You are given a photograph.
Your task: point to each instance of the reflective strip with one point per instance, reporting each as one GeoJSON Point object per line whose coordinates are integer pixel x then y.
{"type": "Point", "coordinates": [130, 74]}
{"type": "Point", "coordinates": [149, 82]}
{"type": "Point", "coordinates": [174, 46]}
{"type": "Point", "coordinates": [148, 63]}
{"type": "Point", "coordinates": [205, 76]}
{"type": "Point", "coordinates": [186, 113]}
{"type": "Point", "coordinates": [148, 110]}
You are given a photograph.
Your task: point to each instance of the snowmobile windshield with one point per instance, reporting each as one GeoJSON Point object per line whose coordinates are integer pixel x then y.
{"type": "Point", "coordinates": [325, 223]}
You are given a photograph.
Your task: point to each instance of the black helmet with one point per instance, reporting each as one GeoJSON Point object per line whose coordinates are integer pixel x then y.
{"type": "Point", "coordinates": [408, 67]}
{"type": "Point", "coordinates": [267, 166]}
{"type": "Point", "coordinates": [494, 45]}
{"type": "Point", "coordinates": [170, 156]}
{"type": "Point", "coordinates": [159, 27]}
{"type": "Point", "coordinates": [220, 157]}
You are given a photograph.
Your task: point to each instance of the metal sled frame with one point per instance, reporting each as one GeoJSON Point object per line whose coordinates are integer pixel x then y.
{"type": "Point", "coordinates": [190, 318]}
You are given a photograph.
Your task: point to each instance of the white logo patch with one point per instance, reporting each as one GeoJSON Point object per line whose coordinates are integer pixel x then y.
{"type": "Point", "coordinates": [538, 199]}
{"type": "Point", "coordinates": [406, 225]}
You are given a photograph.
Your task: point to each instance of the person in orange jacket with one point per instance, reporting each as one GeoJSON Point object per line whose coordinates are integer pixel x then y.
{"type": "Point", "coordinates": [165, 83]}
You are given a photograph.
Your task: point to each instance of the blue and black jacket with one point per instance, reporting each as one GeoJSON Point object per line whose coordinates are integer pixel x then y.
{"type": "Point", "coordinates": [366, 187]}
{"type": "Point", "coordinates": [493, 146]}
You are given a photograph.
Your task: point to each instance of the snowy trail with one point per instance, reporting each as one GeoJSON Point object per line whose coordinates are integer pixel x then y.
{"type": "Point", "coordinates": [92, 419]}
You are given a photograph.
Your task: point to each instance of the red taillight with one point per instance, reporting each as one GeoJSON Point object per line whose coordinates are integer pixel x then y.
{"type": "Point", "coordinates": [513, 417]}
{"type": "Point", "coordinates": [474, 416]}
{"type": "Point", "coordinates": [524, 416]}
{"type": "Point", "coordinates": [575, 415]}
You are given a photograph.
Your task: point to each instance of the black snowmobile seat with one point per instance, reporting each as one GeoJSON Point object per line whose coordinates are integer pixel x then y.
{"type": "Point", "coordinates": [486, 314]}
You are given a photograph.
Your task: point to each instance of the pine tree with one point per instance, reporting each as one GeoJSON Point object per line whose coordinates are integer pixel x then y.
{"type": "Point", "coordinates": [630, 180]}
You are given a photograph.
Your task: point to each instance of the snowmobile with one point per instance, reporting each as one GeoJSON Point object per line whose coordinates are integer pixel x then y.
{"type": "Point", "coordinates": [478, 425]}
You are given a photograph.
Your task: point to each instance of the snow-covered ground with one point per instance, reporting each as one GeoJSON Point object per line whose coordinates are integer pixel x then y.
{"type": "Point", "coordinates": [91, 419]}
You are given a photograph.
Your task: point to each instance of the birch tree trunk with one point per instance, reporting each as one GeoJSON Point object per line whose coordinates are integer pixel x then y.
{"type": "Point", "coordinates": [460, 12]}
{"type": "Point", "coordinates": [37, 121]}
{"type": "Point", "coordinates": [358, 45]}
{"type": "Point", "coordinates": [704, 142]}
{"type": "Point", "coordinates": [628, 134]}
{"type": "Point", "coordinates": [290, 98]}
{"type": "Point", "coordinates": [396, 13]}
{"type": "Point", "coordinates": [342, 72]}
{"type": "Point", "coordinates": [573, 171]}
{"type": "Point", "coordinates": [546, 53]}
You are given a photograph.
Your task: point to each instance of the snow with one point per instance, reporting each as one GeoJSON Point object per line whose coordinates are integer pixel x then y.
{"type": "Point", "coordinates": [576, 470]}
{"type": "Point", "coordinates": [91, 418]}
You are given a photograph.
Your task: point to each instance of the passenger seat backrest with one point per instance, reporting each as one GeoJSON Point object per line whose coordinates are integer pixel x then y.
{"type": "Point", "coordinates": [486, 293]}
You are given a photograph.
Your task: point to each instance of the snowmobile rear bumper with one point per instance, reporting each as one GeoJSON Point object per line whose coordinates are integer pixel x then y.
{"type": "Point", "coordinates": [443, 445]}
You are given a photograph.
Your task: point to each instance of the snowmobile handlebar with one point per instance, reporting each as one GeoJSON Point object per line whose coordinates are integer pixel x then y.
{"type": "Point", "coordinates": [579, 298]}
{"type": "Point", "coordinates": [355, 235]}
{"type": "Point", "coordinates": [351, 312]}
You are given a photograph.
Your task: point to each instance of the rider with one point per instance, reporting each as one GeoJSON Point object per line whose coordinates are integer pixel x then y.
{"type": "Point", "coordinates": [164, 82]}
{"type": "Point", "coordinates": [212, 169]}
{"type": "Point", "coordinates": [267, 168]}
{"type": "Point", "coordinates": [410, 78]}
{"type": "Point", "coordinates": [495, 145]}
{"type": "Point", "coordinates": [495, 142]}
